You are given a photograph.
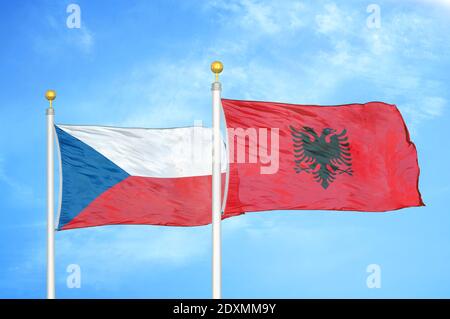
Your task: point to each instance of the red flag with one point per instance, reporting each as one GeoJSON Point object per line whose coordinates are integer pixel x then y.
{"type": "Point", "coordinates": [355, 157]}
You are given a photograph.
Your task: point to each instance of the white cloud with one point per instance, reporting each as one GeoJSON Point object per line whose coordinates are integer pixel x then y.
{"type": "Point", "coordinates": [343, 51]}
{"type": "Point", "coordinates": [59, 38]}
{"type": "Point", "coordinates": [262, 17]}
{"type": "Point", "coordinates": [443, 3]}
{"type": "Point", "coordinates": [425, 108]}
{"type": "Point", "coordinates": [84, 39]}
{"type": "Point", "coordinates": [346, 51]}
{"type": "Point", "coordinates": [169, 93]}
{"type": "Point", "coordinates": [434, 106]}
{"type": "Point", "coordinates": [332, 20]}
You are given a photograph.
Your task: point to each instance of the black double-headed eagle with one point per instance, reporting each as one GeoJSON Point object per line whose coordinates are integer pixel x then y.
{"type": "Point", "coordinates": [323, 156]}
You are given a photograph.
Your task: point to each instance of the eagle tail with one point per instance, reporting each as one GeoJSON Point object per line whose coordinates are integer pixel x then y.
{"type": "Point", "coordinates": [324, 176]}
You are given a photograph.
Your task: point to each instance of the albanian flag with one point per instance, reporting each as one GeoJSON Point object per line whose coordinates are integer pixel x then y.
{"type": "Point", "coordinates": [355, 157]}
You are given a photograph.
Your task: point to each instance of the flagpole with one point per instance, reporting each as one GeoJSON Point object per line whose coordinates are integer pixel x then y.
{"type": "Point", "coordinates": [216, 88]}
{"type": "Point", "coordinates": [50, 95]}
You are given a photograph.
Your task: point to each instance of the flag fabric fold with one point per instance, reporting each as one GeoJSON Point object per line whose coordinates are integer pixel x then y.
{"type": "Point", "coordinates": [355, 157]}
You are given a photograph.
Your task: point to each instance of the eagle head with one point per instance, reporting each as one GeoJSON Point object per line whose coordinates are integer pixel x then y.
{"type": "Point", "coordinates": [328, 131]}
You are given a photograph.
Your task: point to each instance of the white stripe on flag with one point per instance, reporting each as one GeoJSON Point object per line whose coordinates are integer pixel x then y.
{"type": "Point", "coordinates": [164, 153]}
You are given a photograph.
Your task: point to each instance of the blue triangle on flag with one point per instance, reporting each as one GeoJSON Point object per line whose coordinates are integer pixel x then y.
{"type": "Point", "coordinates": [86, 174]}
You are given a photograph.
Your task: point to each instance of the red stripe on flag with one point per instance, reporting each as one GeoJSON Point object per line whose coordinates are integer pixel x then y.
{"type": "Point", "coordinates": [182, 201]}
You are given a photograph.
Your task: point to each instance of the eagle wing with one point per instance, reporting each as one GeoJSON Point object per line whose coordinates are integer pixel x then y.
{"type": "Point", "coordinates": [303, 146]}
{"type": "Point", "coordinates": [339, 149]}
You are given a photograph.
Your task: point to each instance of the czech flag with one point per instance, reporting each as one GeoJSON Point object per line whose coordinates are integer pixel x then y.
{"type": "Point", "coordinates": [114, 175]}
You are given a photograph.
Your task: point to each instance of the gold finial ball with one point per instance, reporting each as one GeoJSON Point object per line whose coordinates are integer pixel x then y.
{"type": "Point", "coordinates": [216, 67]}
{"type": "Point", "coordinates": [50, 95]}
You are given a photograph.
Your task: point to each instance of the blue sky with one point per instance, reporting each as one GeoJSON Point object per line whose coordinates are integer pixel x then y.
{"type": "Point", "coordinates": [146, 63]}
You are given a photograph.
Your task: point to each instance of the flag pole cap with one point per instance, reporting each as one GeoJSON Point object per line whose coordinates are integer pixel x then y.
{"type": "Point", "coordinates": [216, 68]}
{"type": "Point", "coordinates": [50, 95]}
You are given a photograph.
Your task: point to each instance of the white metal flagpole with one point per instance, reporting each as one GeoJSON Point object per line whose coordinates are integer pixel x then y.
{"type": "Point", "coordinates": [50, 95]}
{"type": "Point", "coordinates": [216, 68]}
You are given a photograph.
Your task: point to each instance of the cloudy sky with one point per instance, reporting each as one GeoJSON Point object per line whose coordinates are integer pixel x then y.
{"type": "Point", "coordinates": [146, 63]}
